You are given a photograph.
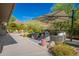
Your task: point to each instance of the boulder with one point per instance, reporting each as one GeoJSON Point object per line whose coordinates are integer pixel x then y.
{"type": "Point", "coordinates": [51, 44]}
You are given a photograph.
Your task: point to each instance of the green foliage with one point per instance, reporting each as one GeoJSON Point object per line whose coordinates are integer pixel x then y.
{"type": "Point", "coordinates": [58, 6]}
{"type": "Point", "coordinates": [77, 14]}
{"type": "Point", "coordinates": [60, 25]}
{"type": "Point", "coordinates": [12, 27]}
{"type": "Point", "coordinates": [67, 8]}
{"type": "Point", "coordinates": [76, 27]}
{"type": "Point", "coordinates": [12, 19]}
{"type": "Point", "coordinates": [63, 50]}
{"type": "Point", "coordinates": [10, 24]}
{"type": "Point", "coordinates": [20, 26]}
{"type": "Point", "coordinates": [23, 26]}
{"type": "Point", "coordinates": [61, 6]}
{"type": "Point", "coordinates": [35, 27]}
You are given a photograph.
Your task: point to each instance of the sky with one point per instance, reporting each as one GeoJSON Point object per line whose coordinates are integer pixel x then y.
{"type": "Point", "coordinates": [27, 11]}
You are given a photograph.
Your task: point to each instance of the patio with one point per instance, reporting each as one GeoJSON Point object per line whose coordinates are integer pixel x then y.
{"type": "Point", "coordinates": [16, 45]}
{"type": "Point", "coordinates": [20, 46]}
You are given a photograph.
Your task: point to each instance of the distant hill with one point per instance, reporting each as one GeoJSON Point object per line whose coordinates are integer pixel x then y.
{"type": "Point", "coordinates": [19, 22]}
{"type": "Point", "coordinates": [38, 21]}
{"type": "Point", "coordinates": [49, 17]}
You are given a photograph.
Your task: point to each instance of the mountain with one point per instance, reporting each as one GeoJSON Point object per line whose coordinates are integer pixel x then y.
{"type": "Point", "coordinates": [49, 17]}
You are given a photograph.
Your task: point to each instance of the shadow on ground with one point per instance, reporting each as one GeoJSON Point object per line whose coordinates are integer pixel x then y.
{"type": "Point", "coordinates": [5, 39]}
{"type": "Point", "coordinates": [74, 43]}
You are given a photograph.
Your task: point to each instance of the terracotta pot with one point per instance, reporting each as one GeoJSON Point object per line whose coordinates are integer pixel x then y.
{"type": "Point", "coordinates": [43, 42]}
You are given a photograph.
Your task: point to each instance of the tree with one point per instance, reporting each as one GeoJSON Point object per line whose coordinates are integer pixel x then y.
{"type": "Point", "coordinates": [12, 19]}
{"type": "Point", "coordinates": [58, 26]}
{"type": "Point", "coordinates": [12, 27]}
{"type": "Point", "coordinates": [10, 22]}
{"type": "Point", "coordinates": [20, 26]}
{"type": "Point", "coordinates": [67, 8]}
{"type": "Point", "coordinates": [61, 6]}
{"type": "Point", "coordinates": [35, 26]}
{"type": "Point", "coordinates": [77, 14]}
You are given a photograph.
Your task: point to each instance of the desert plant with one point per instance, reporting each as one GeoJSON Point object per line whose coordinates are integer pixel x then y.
{"type": "Point", "coordinates": [34, 27]}
{"type": "Point", "coordinates": [11, 27]}
{"type": "Point", "coordinates": [63, 50]}
{"type": "Point", "coordinates": [76, 27]}
{"type": "Point", "coordinates": [20, 26]}
{"type": "Point", "coordinates": [60, 25]}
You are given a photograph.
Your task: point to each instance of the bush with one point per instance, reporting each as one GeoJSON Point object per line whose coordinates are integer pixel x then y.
{"type": "Point", "coordinates": [76, 27]}
{"type": "Point", "coordinates": [11, 27]}
{"type": "Point", "coordinates": [34, 27]}
{"type": "Point", "coordinates": [60, 25]}
{"type": "Point", "coordinates": [63, 50]}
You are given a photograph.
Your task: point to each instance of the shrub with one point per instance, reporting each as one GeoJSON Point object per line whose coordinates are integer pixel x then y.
{"type": "Point", "coordinates": [63, 50]}
{"type": "Point", "coordinates": [20, 26]}
{"type": "Point", "coordinates": [76, 27]}
{"type": "Point", "coordinates": [59, 25]}
{"type": "Point", "coordinates": [34, 27]}
{"type": "Point", "coordinates": [12, 27]}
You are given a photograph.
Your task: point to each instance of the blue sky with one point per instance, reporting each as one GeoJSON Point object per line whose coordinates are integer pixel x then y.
{"type": "Point", "coordinates": [27, 11]}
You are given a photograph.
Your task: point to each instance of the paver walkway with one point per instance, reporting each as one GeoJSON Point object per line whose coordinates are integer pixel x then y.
{"type": "Point", "coordinates": [20, 46]}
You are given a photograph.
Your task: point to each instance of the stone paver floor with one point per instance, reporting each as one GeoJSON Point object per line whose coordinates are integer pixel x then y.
{"type": "Point", "coordinates": [19, 46]}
